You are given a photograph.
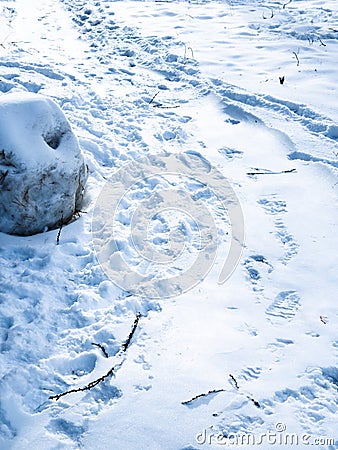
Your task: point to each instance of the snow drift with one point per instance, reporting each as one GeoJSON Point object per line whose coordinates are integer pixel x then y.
{"type": "Point", "coordinates": [42, 169]}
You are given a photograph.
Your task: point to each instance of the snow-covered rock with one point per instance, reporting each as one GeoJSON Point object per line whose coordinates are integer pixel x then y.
{"type": "Point", "coordinates": [42, 169]}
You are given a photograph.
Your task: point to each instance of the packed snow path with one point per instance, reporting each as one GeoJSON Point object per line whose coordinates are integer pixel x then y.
{"type": "Point", "coordinates": [144, 77]}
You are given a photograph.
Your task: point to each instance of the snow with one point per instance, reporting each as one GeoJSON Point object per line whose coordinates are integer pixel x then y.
{"type": "Point", "coordinates": [201, 78]}
{"type": "Point", "coordinates": [42, 167]}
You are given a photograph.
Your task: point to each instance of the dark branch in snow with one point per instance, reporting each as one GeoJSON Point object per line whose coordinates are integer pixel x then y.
{"type": "Point", "coordinates": [287, 3]}
{"type": "Point", "coordinates": [324, 319]}
{"type": "Point", "coordinates": [234, 381]}
{"type": "Point", "coordinates": [160, 105]}
{"type": "Point", "coordinates": [131, 334]}
{"type": "Point", "coordinates": [104, 351]}
{"type": "Point", "coordinates": [59, 233]}
{"type": "Point", "coordinates": [271, 173]}
{"type": "Point", "coordinates": [166, 107]}
{"type": "Point", "coordinates": [296, 55]}
{"type": "Point", "coordinates": [186, 52]}
{"type": "Point", "coordinates": [110, 372]}
{"type": "Point", "coordinates": [271, 10]}
{"type": "Point", "coordinates": [89, 386]}
{"type": "Point", "coordinates": [153, 98]}
{"type": "Point", "coordinates": [3, 176]}
{"type": "Point", "coordinates": [214, 391]}
{"type": "Point", "coordinates": [255, 402]}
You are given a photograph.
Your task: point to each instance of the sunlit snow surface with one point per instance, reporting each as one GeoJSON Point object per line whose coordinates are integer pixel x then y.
{"type": "Point", "coordinates": [215, 68]}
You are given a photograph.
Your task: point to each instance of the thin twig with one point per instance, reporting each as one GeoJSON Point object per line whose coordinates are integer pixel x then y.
{"type": "Point", "coordinates": [234, 380]}
{"type": "Point", "coordinates": [160, 105]}
{"type": "Point", "coordinates": [59, 232]}
{"type": "Point", "coordinates": [186, 52]}
{"type": "Point", "coordinates": [287, 3]}
{"type": "Point", "coordinates": [153, 98]}
{"type": "Point", "coordinates": [271, 10]}
{"type": "Point", "coordinates": [104, 351]}
{"type": "Point", "coordinates": [323, 319]}
{"type": "Point", "coordinates": [255, 402]}
{"type": "Point", "coordinates": [59, 235]}
{"type": "Point", "coordinates": [17, 202]}
{"type": "Point", "coordinates": [89, 386]}
{"type": "Point", "coordinates": [296, 55]}
{"type": "Point", "coordinates": [214, 391]}
{"type": "Point", "coordinates": [131, 334]}
{"type": "Point", "coordinates": [166, 107]}
{"type": "Point", "coordinates": [272, 173]}
{"type": "Point", "coordinates": [110, 372]}
{"type": "Point", "coordinates": [3, 176]}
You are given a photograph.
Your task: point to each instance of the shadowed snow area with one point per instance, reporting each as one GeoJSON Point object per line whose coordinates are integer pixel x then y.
{"type": "Point", "coordinates": [249, 87]}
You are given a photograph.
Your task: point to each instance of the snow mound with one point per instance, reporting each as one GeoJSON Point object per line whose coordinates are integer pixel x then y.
{"type": "Point", "coordinates": [42, 169]}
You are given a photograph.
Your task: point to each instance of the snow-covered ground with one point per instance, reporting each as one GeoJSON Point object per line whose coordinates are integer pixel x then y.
{"type": "Point", "coordinates": [256, 356]}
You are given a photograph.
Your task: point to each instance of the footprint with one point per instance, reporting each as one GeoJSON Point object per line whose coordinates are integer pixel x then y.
{"type": "Point", "coordinates": [105, 392]}
{"type": "Point", "coordinates": [277, 345]}
{"type": "Point", "coordinates": [239, 424]}
{"type": "Point", "coordinates": [285, 306]}
{"type": "Point", "coordinates": [67, 428]}
{"type": "Point", "coordinates": [7, 431]}
{"type": "Point", "coordinates": [250, 373]}
{"type": "Point", "coordinates": [331, 374]}
{"type": "Point", "coordinates": [288, 242]}
{"type": "Point", "coordinates": [5, 324]}
{"type": "Point", "coordinates": [317, 399]}
{"type": "Point", "coordinates": [273, 206]}
{"type": "Point", "coordinates": [78, 366]}
{"type": "Point", "coordinates": [309, 158]}
{"type": "Point", "coordinates": [230, 153]}
{"type": "Point", "coordinates": [276, 207]}
{"type": "Point", "coordinates": [257, 267]}
{"type": "Point", "coordinates": [284, 395]}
